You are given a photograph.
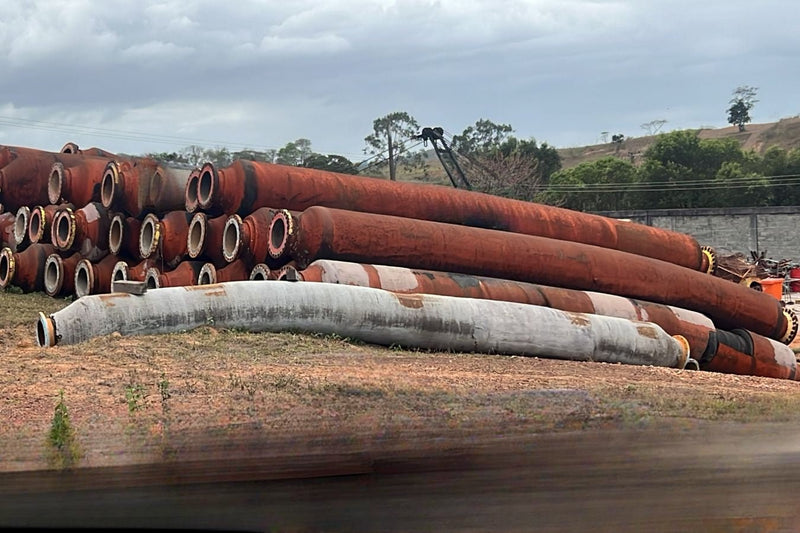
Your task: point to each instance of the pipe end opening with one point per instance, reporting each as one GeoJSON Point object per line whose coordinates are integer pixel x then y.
{"type": "Point", "coordinates": [55, 183]}
{"type": "Point", "coordinates": [53, 274]}
{"type": "Point", "coordinates": [149, 236]}
{"type": "Point", "coordinates": [120, 272]}
{"type": "Point", "coordinates": [45, 331]}
{"type": "Point", "coordinates": [64, 229]}
{"type": "Point", "coordinates": [36, 224]}
{"type": "Point", "coordinates": [280, 228]}
{"type": "Point", "coordinates": [196, 239]}
{"type": "Point", "coordinates": [21, 225]}
{"type": "Point", "coordinates": [151, 279]}
{"type": "Point", "coordinates": [6, 267]}
{"type": "Point", "coordinates": [232, 238]}
{"type": "Point", "coordinates": [206, 186]}
{"type": "Point", "coordinates": [70, 148]}
{"type": "Point", "coordinates": [84, 278]}
{"type": "Point", "coordinates": [108, 186]}
{"type": "Point", "coordinates": [190, 194]}
{"type": "Point", "coordinates": [260, 272]}
{"type": "Point", "coordinates": [208, 275]}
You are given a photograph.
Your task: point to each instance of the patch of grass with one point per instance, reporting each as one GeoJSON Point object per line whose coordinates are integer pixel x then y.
{"type": "Point", "coordinates": [18, 309]}
{"type": "Point", "coordinates": [61, 441]}
{"type": "Point", "coordinates": [635, 403]}
{"type": "Point", "coordinates": [135, 395]}
{"type": "Point", "coordinates": [347, 390]}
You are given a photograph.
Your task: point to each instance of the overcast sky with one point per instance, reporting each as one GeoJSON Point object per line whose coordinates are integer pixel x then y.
{"type": "Point", "coordinates": [152, 75]}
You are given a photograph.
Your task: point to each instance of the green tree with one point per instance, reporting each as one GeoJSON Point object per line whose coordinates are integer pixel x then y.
{"type": "Point", "coordinates": [737, 185]}
{"type": "Point", "coordinates": [547, 158]}
{"type": "Point", "coordinates": [744, 98]}
{"type": "Point", "coordinates": [502, 164]}
{"type": "Point", "coordinates": [331, 163]}
{"type": "Point", "coordinates": [484, 136]}
{"type": "Point", "coordinates": [294, 153]}
{"type": "Point", "coordinates": [388, 136]}
{"type": "Point", "coordinates": [678, 165]}
{"type": "Point", "coordinates": [601, 185]}
{"type": "Point", "coordinates": [267, 156]}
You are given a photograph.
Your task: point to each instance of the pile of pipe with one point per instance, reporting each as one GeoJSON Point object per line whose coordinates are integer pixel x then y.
{"type": "Point", "coordinates": [84, 219]}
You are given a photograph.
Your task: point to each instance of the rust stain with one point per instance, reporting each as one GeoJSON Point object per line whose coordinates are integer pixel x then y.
{"type": "Point", "coordinates": [412, 301]}
{"type": "Point", "coordinates": [578, 320]}
{"type": "Point", "coordinates": [108, 299]}
{"type": "Point", "coordinates": [209, 290]}
{"type": "Point", "coordinates": [647, 331]}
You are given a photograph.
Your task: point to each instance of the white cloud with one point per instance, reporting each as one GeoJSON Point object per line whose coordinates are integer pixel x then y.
{"type": "Point", "coordinates": [267, 70]}
{"type": "Point", "coordinates": [156, 52]}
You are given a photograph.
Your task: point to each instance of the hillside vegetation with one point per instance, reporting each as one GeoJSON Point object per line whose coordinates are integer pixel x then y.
{"type": "Point", "coordinates": [757, 137]}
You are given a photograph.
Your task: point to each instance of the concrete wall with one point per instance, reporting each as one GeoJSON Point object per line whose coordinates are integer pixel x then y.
{"type": "Point", "coordinates": [775, 230]}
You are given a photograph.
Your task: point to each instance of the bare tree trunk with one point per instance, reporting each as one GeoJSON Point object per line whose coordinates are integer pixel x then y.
{"type": "Point", "coordinates": [392, 163]}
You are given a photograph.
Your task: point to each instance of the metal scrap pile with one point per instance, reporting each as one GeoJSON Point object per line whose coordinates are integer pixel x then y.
{"type": "Point", "coordinates": [133, 219]}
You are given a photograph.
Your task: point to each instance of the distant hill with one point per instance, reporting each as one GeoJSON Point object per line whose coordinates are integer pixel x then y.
{"type": "Point", "coordinates": [757, 137]}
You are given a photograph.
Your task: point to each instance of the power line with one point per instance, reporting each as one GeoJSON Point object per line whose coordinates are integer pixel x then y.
{"type": "Point", "coordinates": [734, 183]}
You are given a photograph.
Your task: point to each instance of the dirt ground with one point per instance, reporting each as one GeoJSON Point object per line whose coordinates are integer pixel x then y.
{"type": "Point", "coordinates": [219, 396]}
{"type": "Point", "coordinates": [130, 398]}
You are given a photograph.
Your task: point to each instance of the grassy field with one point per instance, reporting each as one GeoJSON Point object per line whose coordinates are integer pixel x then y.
{"type": "Point", "coordinates": [139, 399]}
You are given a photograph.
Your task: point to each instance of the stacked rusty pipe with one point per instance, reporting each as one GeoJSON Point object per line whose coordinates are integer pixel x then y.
{"type": "Point", "coordinates": [59, 200]}
{"type": "Point", "coordinates": [246, 186]}
{"type": "Point", "coordinates": [323, 233]}
{"type": "Point", "coordinates": [716, 350]}
{"type": "Point", "coordinates": [169, 227]}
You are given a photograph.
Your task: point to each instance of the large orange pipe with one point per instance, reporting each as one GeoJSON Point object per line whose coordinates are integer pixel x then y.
{"type": "Point", "coordinates": [250, 237]}
{"type": "Point", "coordinates": [185, 274]}
{"type": "Point", "coordinates": [123, 235]}
{"type": "Point", "coordinates": [246, 185]}
{"type": "Point", "coordinates": [78, 183]}
{"type": "Point", "coordinates": [167, 190]}
{"type": "Point", "coordinates": [59, 274]}
{"type": "Point", "coordinates": [84, 230]}
{"type": "Point", "coordinates": [126, 185]}
{"type": "Point", "coordinates": [745, 353]}
{"type": "Point", "coordinates": [72, 148]}
{"type": "Point", "coordinates": [138, 272]}
{"type": "Point", "coordinates": [323, 233]}
{"type": "Point", "coordinates": [24, 180]}
{"type": "Point", "coordinates": [94, 278]}
{"type": "Point", "coordinates": [8, 223]}
{"type": "Point", "coordinates": [166, 238]}
{"type": "Point", "coordinates": [205, 237]}
{"type": "Point", "coordinates": [24, 269]}
{"type": "Point", "coordinates": [41, 222]}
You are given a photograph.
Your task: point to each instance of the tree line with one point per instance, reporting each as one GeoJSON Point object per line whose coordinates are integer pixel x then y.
{"type": "Point", "coordinates": [678, 170]}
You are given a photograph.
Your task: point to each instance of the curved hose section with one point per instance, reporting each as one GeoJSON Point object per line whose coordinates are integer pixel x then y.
{"type": "Point", "coordinates": [370, 315]}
